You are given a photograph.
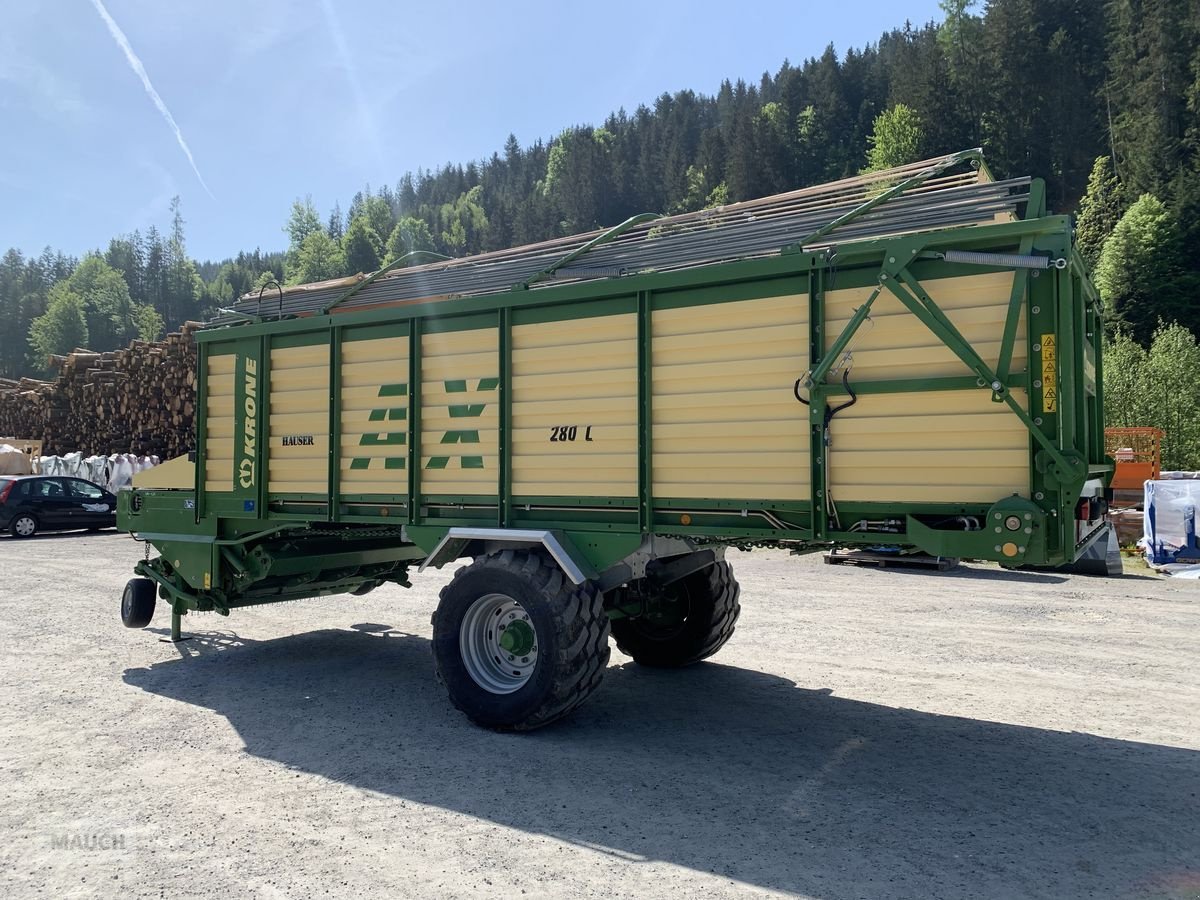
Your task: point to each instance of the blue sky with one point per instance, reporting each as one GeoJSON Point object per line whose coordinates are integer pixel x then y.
{"type": "Point", "coordinates": [276, 99]}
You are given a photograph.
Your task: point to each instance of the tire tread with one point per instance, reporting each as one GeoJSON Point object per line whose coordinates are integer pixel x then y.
{"type": "Point", "coordinates": [720, 617]}
{"type": "Point", "coordinates": [583, 627]}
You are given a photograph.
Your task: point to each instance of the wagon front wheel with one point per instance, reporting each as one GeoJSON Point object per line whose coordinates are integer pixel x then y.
{"type": "Point", "coordinates": [137, 602]}
{"type": "Point", "coordinates": [516, 643]}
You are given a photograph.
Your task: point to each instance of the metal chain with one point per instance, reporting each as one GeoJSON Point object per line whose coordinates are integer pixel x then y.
{"type": "Point", "coordinates": [355, 533]}
{"type": "Point", "coordinates": [766, 544]}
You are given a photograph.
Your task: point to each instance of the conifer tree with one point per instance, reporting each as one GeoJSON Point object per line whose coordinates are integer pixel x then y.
{"type": "Point", "coordinates": [1137, 272]}
{"type": "Point", "coordinates": [361, 247]}
{"type": "Point", "coordinates": [1099, 210]}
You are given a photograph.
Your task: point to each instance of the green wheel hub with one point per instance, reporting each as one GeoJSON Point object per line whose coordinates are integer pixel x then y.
{"type": "Point", "coordinates": [498, 644]}
{"type": "Point", "coordinates": [517, 636]}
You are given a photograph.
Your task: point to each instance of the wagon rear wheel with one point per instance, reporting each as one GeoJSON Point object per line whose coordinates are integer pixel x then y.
{"type": "Point", "coordinates": [686, 621]}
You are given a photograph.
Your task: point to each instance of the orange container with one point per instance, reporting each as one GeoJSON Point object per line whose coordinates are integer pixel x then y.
{"type": "Point", "coordinates": [1137, 452]}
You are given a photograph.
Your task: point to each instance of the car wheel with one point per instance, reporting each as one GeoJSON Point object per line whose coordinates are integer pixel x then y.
{"type": "Point", "coordinates": [23, 526]}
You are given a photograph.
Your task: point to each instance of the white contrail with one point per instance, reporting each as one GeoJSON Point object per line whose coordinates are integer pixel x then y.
{"type": "Point", "coordinates": [136, 64]}
{"type": "Point", "coordinates": [356, 88]}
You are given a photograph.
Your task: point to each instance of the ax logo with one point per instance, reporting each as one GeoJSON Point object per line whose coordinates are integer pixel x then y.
{"type": "Point", "coordinates": [451, 436]}
{"type": "Point", "coordinates": [464, 435]}
{"type": "Point", "coordinates": [385, 439]}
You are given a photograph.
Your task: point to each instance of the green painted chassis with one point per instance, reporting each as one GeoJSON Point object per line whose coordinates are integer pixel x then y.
{"type": "Point", "coordinates": [221, 551]}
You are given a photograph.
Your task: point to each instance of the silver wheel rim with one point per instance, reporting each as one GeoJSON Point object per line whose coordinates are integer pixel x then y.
{"type": "Point", "coordinates": [498, 644]}
{"type": "Point", "coordinates": [25, 526]}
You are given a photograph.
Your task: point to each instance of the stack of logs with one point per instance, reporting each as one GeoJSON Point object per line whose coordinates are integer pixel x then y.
{"type": "Point", "coordinates": [140, 400]}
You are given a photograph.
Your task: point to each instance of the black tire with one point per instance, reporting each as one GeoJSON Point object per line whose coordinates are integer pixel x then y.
{"type": "Point", "coordinates": [25, 525]}
{"type": "Point", "coordinates": [569, 630]}
{"type": "Point", "coordinates": [711, 609]}
{"type": "Point", "coordinates": [137, 602]}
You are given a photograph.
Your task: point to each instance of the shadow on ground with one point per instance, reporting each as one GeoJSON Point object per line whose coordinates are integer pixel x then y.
{"type": "Point", "coordinates": [724, 770]}
{"type": "Point", "coordinates": [106, 531]}
{"type": "Point", "coordinates": [979, 573]}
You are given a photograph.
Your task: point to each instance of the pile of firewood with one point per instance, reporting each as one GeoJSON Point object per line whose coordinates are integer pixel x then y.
{"type": "Point", "coordinates": [140, 400]}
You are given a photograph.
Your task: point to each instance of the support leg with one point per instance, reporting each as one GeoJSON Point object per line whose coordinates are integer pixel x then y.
{"type": "Point", "coordinates": [176, 635]}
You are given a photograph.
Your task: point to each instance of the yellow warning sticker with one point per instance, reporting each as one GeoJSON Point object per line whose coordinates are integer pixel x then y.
{"type": "Point", "coordinates": [1049, 373]}
{"type": "Point", "coordinates": [207, 580]}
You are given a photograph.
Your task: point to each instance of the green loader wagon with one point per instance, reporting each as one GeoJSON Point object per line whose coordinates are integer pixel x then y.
{"type": "Point", "coordinates": [909, 358]}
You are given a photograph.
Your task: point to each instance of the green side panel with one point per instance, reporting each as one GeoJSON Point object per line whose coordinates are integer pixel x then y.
{"type": "Point", "coordinates": [436, 325]}
{"type": "Point", "coordinates": [371, 332]}
{"type": "Point", "coordinates": [568, 312]}
{"type": "Point", "coordinates": [196, 562]}
{"type": "Point", "coordinates": [243, 495]}
{"type": "Point", "coordinates": [306, 339]}
{"type": "Point", "coordinates": [725, 293]}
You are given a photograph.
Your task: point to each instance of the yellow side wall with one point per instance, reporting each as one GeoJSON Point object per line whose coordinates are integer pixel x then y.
{"type": "Point", "coordinates": [894, 343]}
{"type": "Point", "coordinates": [949, 446]}
{"type": "Point", "coordinates": [725, 422]}
{"type": "Point", "coordinates": [174, 474]}
{"type": "Point", "coordinates": [574, 409]}
{"type": "Point", "coordinates": [218, 443]}
{"type": "Point", "coordinates": [451, 461]}
{"type": "Point", "coordinates": [299, 410]}
{"type": "Point", "coordinates": [928, 447]}
{"type": "Point", "coordinates": [374, 402]}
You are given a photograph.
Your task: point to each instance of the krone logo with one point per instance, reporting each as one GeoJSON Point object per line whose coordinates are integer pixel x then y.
{"type": "Point", "coordinates": [249, 437]}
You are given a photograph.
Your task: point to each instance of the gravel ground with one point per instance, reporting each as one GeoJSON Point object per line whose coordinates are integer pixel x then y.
{"type": "Point", "coordinates": [866, 733]}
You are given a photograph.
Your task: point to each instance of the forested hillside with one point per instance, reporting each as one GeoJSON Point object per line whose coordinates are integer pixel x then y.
{"type": "Point", "coordinates": [1102, 99]}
